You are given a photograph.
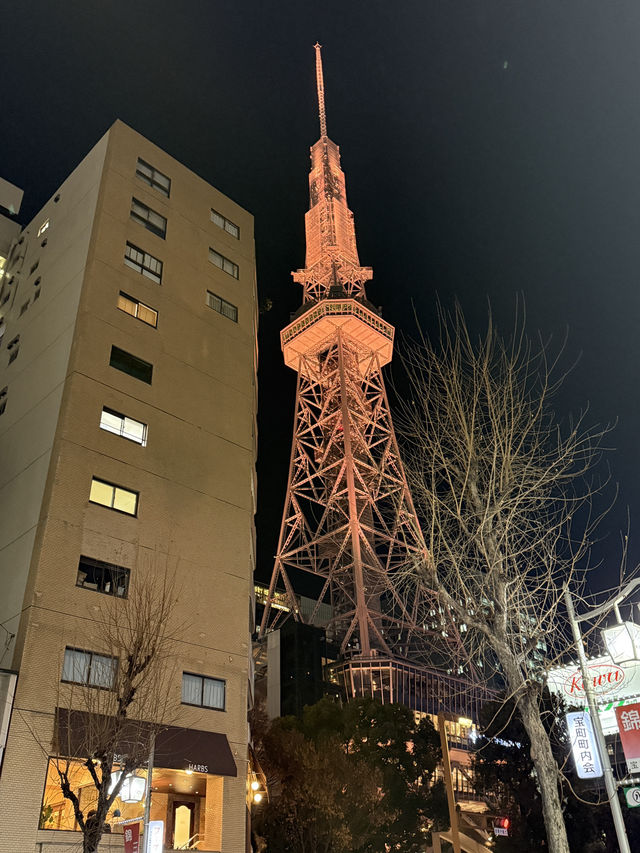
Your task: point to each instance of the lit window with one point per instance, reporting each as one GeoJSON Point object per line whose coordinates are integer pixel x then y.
{"type": "Point", "coordinates": [43, 228]}
{"type": "Point", "coordinates": [103, 577]}
{"type": "Point", "coordinates": [122, 425]}
{"type": "Point", "coordinates": [222, 306]}
{"type": "Point", "coordinates": [113, 497]}
{"type": "Point", "coordinates": [223, 263]}
{"type": "Point", "coordinates": [131, 364]}
{"type": "Point", "coordinates": [143, 263]}
{"type": "Point", "coordinates": [226, 224]}
{"type": "Point", "coordinates": [137, 309]}
{"type": "Point", "coordinates": [203, 691]}
{"type": "Point", "coordinates": [81, 667]}
{"type": "Point", "coordinates": [151, 220]}
{"type": "Point", "coordinates": [153, 177]}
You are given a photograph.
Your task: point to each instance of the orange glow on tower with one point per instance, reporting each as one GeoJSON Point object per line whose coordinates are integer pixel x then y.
{"type": "Point", "coordinates": [348, 518]}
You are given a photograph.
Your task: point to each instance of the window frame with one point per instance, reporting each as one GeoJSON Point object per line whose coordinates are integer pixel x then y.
{"type": "Point", "coordinates": [121, 432]}
{"type": "Point", "coordinates": [235, 269]}
{"type": "Point", "coordinates": [138, 304]}
{"type": "Point", "coordinates": [145, 221]}
{"type": "Point", "coordinates": [118, 572]}
{"type": "Point", "coordinates": [91, 654]}
{"type": "Point", "coordinates": [225, 223]}
{"type": "Point", "coordinates": [150, 180]}
{"type": "Point", "coordinates": [143, 267]}
{"type": "Point", "coordinates": [211, 297]}
{"type": "Point", "coordinates": [204, 678]}
{"type": "Point", "coordinates": [115, 487]}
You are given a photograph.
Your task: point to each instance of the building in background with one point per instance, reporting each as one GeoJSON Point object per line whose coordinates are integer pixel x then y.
{"type": "Point", "coordinates": [128, 440]}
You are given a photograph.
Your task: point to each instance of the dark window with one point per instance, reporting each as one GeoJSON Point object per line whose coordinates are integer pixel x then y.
{"type": "Point", "coordinates": [143, 262]}
{"type": "Point", "coordinates": [82, 667]}
{"type": "Point", "coordinates": [227, 309]}
{"type": "Point", "coordinates": [150, 175]}
{"type": "Point", "coordinates": [24, 307]}
{"type": "Point", "coordinates": [127, 363]}
{"type": "Point", "coordinates": [36, 295]}
{"type": "Point", "coordinates": [103, 577]}
{"type": "Point", "coordinates": [202, 691]}
{"type": "Point", "coordinates": [151, 220]}
{"type": "Point", "coordinates": [14, 347]}
{"type": "Point", "coordinates": [34, 268]}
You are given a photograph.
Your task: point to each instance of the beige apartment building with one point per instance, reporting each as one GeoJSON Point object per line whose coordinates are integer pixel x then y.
{"type": "Point", "coordinates": [128, 440]}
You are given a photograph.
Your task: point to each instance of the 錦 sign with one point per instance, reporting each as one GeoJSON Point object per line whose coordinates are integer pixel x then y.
{"type": "Point", "coordinates": [628, 718]}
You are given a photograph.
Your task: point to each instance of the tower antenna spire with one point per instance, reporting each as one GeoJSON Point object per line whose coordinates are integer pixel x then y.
{"type": "Point", "coordinates": [320, 85]}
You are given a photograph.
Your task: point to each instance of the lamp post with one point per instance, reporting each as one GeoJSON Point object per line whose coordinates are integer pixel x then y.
{"type": "Point", "coordinates": [623, 642]}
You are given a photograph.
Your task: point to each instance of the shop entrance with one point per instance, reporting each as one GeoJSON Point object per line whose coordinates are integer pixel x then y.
{"type": "Point", "coordinates": [183, 822]}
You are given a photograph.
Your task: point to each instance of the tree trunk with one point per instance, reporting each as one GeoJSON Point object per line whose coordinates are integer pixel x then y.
{"type": "Point", "coordinates": [547, 773]}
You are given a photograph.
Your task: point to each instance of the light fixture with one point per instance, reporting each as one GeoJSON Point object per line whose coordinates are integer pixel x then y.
{"type": "Point", "coordinates": [622, 642]}
{"type": "Point", "coordinates": [133, 788]}
{"type": "Point", "coordinates": [189, 772]}
{"type": "Point", "coordinates": [257, 797]}
{"type": "Point", "coordinates": [255, 785]}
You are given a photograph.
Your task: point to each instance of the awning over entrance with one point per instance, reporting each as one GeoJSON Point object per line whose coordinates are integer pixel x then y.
{"type": "Point", "coordinates": [175, 747]}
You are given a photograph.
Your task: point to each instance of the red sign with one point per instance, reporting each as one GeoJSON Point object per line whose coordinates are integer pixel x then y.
{"type": "Point", "coordinates": [132, 838]}
{"type": "Point", "coordinates": [604, 677]}
{"type": "Point", "coordinates": [628, 719]}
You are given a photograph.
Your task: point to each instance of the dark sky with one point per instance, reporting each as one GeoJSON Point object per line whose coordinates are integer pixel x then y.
{"type": "Point", "coordinates": [490, 148]}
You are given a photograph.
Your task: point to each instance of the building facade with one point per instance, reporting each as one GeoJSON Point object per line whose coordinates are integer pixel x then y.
{"type": "Point", "coordinates": [128, 443]}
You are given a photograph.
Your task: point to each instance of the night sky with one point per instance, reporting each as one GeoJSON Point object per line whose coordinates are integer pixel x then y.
{"type": "Point", "coordinates": [490, 148]}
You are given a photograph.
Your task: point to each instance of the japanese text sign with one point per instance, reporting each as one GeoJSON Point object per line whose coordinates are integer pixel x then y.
{"type": "Point", "coordinates": [132, 838]}
{"type": "Point", "coordinates": [583, 745]}
{"type": "Point", "coordinates": [628, 719]}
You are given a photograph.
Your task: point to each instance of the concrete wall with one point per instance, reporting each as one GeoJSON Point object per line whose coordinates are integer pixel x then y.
{"type": "Point", "coordinates": [195, 513]}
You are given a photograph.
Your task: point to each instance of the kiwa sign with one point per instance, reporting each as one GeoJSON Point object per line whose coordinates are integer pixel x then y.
{"type": "Point", "coordinates": [612, 685]}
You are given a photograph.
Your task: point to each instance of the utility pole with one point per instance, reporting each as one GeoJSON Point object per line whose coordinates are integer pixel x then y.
{"type": "Point", "coordinates": [448, 783]}
{"type": "Point", "coordinates": [609, 781]}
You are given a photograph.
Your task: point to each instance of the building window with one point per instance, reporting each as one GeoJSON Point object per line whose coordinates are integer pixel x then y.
{"type": "Point", "coordinates": [202, 691]}
{"type": "Point", "coordinates": [122, 425]}
{"type": "Point", "coordinates": [222, 306]}
{"type": "Point", "coordinates": [43, 227]}
{"type": "Point", "coordinates": [226, 224]}
{"type": "Point", "coordinates": [113, 497]}
{"type": "Point", "coordinates": [137, 309]}
{"type": "Point", "coordinates": [24, 307]}
{"type": "Point", "coordinates": [102, 577]}
{"type": "Point", "coordinates": [149, 218]}
{"type": "Point", "coordinates": [90, 668]}
{"type": "Point", "coordinates": [223, 263]}
{"type": "Point", "coordinates": [127, 363]}
{"type": "Point", "coordinates": [34, 267]}
{"type": "Point", "coordinates": [143, 263]}
{"type": "Point", "coordinates": [3, 399]}
{"type": "Point", "coordinates": [13, 347]}
{"type": "Point", "coordinates": [153, 177]}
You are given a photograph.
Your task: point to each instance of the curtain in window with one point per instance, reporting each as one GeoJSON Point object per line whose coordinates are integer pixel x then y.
{"type": "Point", "coordinates": [103, 671]}
{"type": "Point", "coordinates": [191, 689]}
{"type": "Point", "coordinates": [76, 666]}
{"type": "Point", "coordinates": [213, 693]}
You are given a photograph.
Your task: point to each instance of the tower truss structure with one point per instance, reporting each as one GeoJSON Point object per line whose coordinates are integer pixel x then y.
{"type": "Point", "coordinates": [348, 518]}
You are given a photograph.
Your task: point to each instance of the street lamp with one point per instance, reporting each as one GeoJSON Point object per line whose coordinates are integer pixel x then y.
{"type": "Point", "coordinates": [133, 788]}
{"type": "Point", "coordinates": [624, 643]}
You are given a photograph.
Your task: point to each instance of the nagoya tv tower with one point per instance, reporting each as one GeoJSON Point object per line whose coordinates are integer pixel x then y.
{"type": "Point", "coordinates": [348, 517]}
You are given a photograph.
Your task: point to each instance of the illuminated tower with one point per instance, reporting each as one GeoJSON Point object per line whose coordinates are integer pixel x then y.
{"type": "Point", "coordinates": [348, 518]}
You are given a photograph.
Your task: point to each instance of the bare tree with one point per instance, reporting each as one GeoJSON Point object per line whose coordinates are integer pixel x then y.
{"type": "Point", "coordinates": [503, 489]}
{"type": "Point", "coordinates": [111, 714]}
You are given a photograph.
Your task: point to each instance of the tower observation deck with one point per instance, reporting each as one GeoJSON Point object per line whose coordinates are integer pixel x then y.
{"type": "Point", "coordinates": [348, 518]}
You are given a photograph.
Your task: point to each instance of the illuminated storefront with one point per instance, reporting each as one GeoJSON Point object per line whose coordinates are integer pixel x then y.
{"type": "Point", "coordinates": [187, 787]}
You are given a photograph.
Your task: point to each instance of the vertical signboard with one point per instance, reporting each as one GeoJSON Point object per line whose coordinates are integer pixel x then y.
{"type": "Point", "coordinates": [583, 745]}
{"type": "Point", "coordinates": [155, 842]}
{"type": "Point", "coordinates": [628, 719]}
{"type": "Point", "coordinates": [132, 838]}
